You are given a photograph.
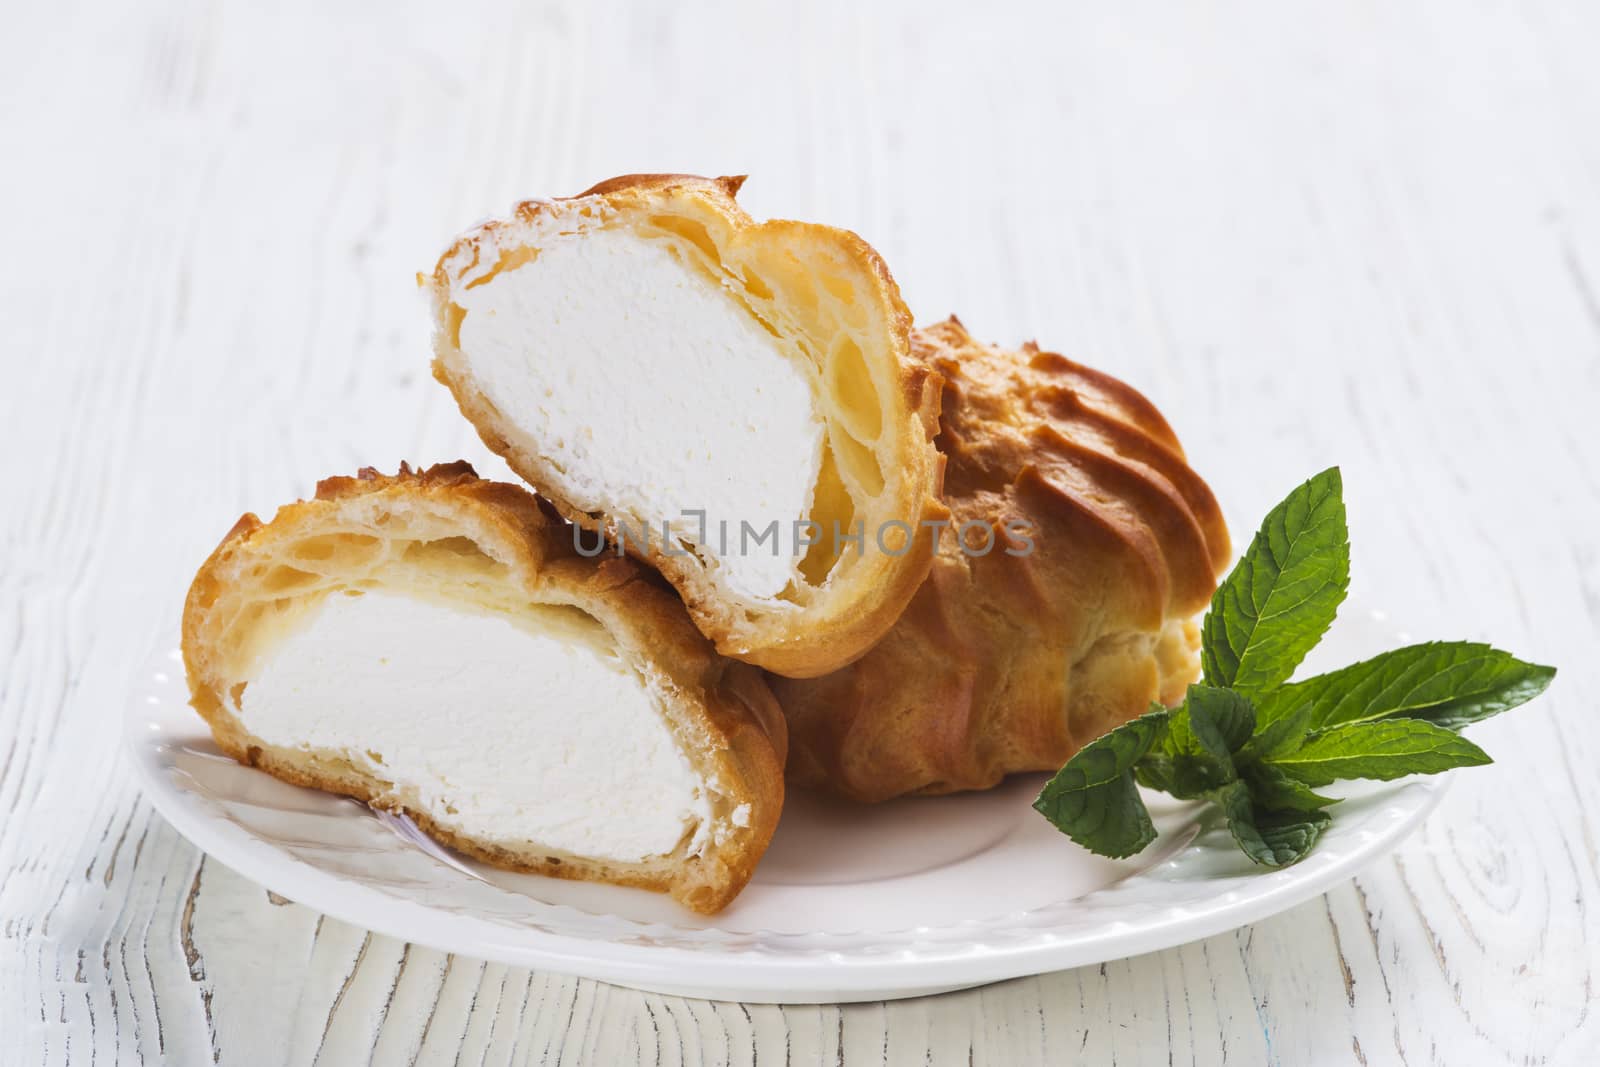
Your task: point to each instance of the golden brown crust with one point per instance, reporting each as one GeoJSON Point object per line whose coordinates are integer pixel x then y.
{"type": "Point", "coordinates": [830, 623]}
{"type": "Point", "coordinates": [1011, 662]}
{"type": "Point", "coordinates": [721, 711]}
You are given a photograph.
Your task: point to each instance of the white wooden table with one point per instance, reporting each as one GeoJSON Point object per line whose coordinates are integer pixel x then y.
{"type": "Point", "coordinates": [1365, 233]}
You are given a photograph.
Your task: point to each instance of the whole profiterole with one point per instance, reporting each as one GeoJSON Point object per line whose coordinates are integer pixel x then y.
{"type": "Point", "coordinates": [1090, 548]}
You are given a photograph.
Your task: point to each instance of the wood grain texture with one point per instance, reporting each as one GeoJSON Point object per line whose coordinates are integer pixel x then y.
{"type": "Point", "coordinates": [1362, 233]}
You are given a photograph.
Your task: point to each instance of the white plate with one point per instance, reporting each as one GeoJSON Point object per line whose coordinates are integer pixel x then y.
{"type": "Point", "coordinates": [851, 903]}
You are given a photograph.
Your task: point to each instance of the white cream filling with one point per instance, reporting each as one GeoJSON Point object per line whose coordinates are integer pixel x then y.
{"type": "Point", "coordinates": [504, 733]}
{"type": "Point", "coordinates": [655, 393]}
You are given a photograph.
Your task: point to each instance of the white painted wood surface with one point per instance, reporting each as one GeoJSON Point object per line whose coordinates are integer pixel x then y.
{"type": "Point", "coordinates": [1365, 233]}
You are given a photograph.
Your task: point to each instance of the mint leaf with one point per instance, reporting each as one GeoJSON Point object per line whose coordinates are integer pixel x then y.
{"type": "Point", "coordinates": [1272, 790]}
{"type": "Point", "coordinates": [1284, 837]}
{"type": "Point", "coordinates": [1185, 776]}
{"type": "Point", "coordinates": [1221, 720]}
{"type": "Point", "coordinates": [1282, 595]}
{"type": "Point", "coordinates": [1386, 749]}
{"type": "Point", "coordinates": [1093, 799]}
{"type": "Point", "coordinates": [1196, 752]}
{"type": "Point", "coordinates": [1272, 839]}
{"type": "Point", "coordinates": [1280, 735]}
{"type": "Point", "coordinates": [1449, 684]}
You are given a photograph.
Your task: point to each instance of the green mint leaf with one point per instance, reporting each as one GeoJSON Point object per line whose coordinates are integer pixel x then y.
{"type": "Point", "coordinates": [1184, 776]}
{"type": "Point", "coordinates": [1281, 735]}
{"type": "Point", "coordinates": [1449, 684]}
{"type": "Point", "coordinates": [1093, 799]}
{"type": "Point", "coordinates": [1196, 753]}
{"type": "Point", "coordinates": [1270, 838]}
{"type": "Point", "coordinates": [1221, 720]}
{"type": "Point", "coordinates": [1282, 596]}
{"type": "Point", "coordinates": [1272, 790]}
{"type": "Point", "coordinates": [1385, 749]}
{"type": "Point", "coordinates": [1179, 738]}
{"type": "Point", "coordinates": [1154, 771]}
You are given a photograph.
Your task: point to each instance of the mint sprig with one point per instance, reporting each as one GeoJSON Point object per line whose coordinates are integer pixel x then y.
{"type": "Point", "coordinates": [1257, 745]}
